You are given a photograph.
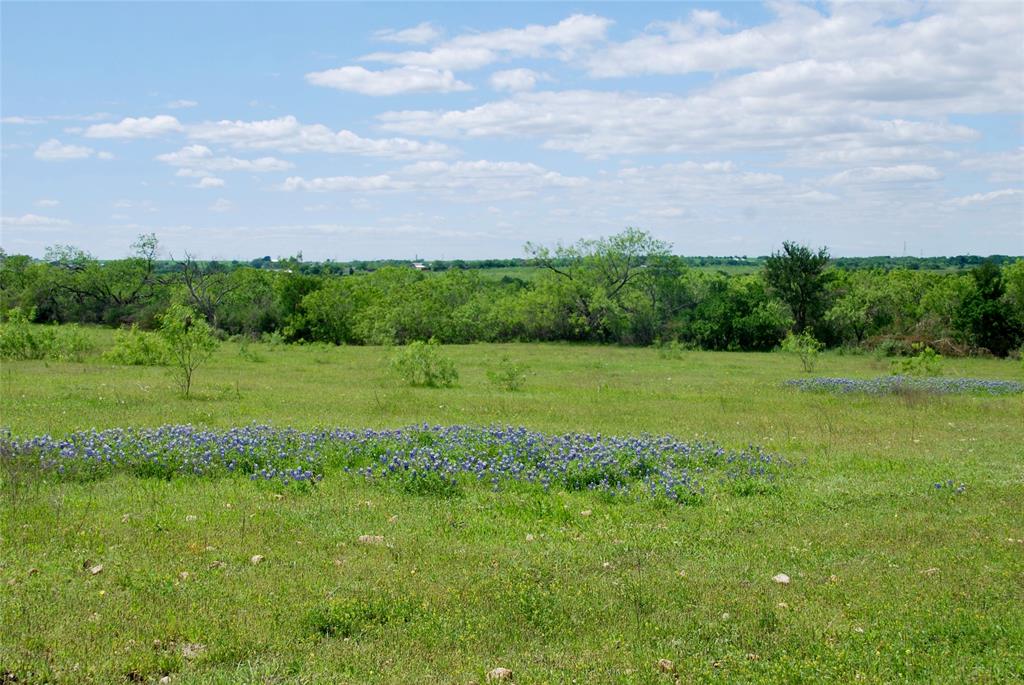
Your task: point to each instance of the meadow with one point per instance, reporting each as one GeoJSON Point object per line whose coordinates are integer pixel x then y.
{"type": "Point", "coordinates": [897, 519]}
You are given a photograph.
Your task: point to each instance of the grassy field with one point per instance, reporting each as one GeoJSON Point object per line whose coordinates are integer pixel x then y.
{"type": "Point", "coordinates": [892, 580]}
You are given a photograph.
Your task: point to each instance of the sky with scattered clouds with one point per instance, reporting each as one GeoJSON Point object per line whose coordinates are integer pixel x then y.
{"type": "Point", "coordinates": [463, 130]}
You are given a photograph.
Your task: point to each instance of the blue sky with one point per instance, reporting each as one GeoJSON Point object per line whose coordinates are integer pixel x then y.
{"type": "Point", "coordinates": [463, 130]}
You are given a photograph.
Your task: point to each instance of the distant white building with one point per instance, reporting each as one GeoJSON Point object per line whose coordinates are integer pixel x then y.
{"type": "Point", "coordinates": [420, 266]}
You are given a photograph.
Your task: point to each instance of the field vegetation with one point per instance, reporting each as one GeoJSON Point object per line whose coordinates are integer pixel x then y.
{"type": "Point", "coordinates": [887, 545]}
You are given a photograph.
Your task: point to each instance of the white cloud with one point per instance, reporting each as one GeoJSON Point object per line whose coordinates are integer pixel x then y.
{"type": "Point", "coordinates": [421, 33]}
{"type": "Point", "coordinates": [601, 123]}
{"type": "Point", "coordinates": [563, 40]}
{"type": "Point", "coordinates": [141, 127]}
{"type": "Point", "coordinates": [33, 220]}
{"type": "Point", "coordinates": [222, 205]}
{"type": "Point", "coordinates": [46, 202]}
{"type": "Point", "coordinates": [181, 104]}
{"type": "Point", "coordinates": [1002, 167]}
{"type": "Point", "coordinates": [207, 182]}
{"type": "Point", "coordinates": [901, 173]}
{"type": "Point", "coordinates": [29, 121]}
{"type": "Point", "coordinates": [55, 151]}
{"type": "Point", "coordinates": [409, 79]}
{"type": "Point", "coordinates": [1007, 194]}
{"type": "Point", "coordinates": [288, 135]}
{"type": "Point", "coordinates": [199, 158]}
{"type": "Point", "coordinates": [515, 79]}
{"type": "Point", "coordinates": [454, 180]}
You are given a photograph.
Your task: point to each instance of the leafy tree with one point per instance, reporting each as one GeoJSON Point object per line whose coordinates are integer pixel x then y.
{"type": "Point", "coordinates": [601, 277]}
{"type": "Point", "coordinates": [984, 316]}
{"type": "Point", "coordinates": [190, 343]}
{"type": "Point", "coordinates": [797, 275]}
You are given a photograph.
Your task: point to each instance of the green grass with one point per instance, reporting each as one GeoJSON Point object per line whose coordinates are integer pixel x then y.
{"type": "Point", "coordinates": [892, 581]}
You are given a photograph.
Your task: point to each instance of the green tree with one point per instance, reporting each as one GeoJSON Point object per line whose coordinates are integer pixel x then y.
{"type": "Point", "coordinates": [604, 279]}
{"type": "Point", "coordinates": [797, 275]}
{"type": "Point", "coordinates": [190, 343]}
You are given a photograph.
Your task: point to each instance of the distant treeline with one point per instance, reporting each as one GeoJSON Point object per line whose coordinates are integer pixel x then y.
{"type": "Point", "coordinates": [626, 289]}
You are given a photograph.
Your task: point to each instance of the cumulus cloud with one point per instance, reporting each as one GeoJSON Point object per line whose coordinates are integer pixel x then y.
{"type": "Point", "coordinates": [419, 34]}
{"type": "Point", "coordinates": [408, 79]}
{"type": "Point", "coordinates": [515, 79]}
{"type": "Point", "coordinates": [900, 173]}
{"type": "Point", "coordinates": [207, 182]}
{"type": "Point", "coordinates": [884, 57]}
{"type": "Point", "coordinates": [222, 205]}
{"type": "Point", "coordinates": [1007, 194]}
{"type": "Point", "coordinates": [199, 158]}
{"type": "Point", "coordinates": [55, 151]}
{"type": "Point", "coordinates": [563, 40]}
{"type": "Point", "coordinates": [33, 220]}
{"type": "Point", "coordinates": [287, 134]}
{"type": "Point", "coordinates": [457, 180]}
{"type": "Point", "coordinates": [131, 127]}
{"type": "Point", "coordinates": [598, 123]}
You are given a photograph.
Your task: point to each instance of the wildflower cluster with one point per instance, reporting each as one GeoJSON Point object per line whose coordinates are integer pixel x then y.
{"type": "Point", "coordinates": [951, 486]}
{"type": "Point", "coordinates": [888, 385]}
{"type": "Point", "coordinates": [420, 459]}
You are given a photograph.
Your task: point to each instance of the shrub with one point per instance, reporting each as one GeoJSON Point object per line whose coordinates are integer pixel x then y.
{"type": "Point", "coordinates": [134, 347]}
{"type": "Point", "coordinates": [927, 362]}
{"type": "Point", "coordinates": [190, 342]}
{"type": "Point", "coordinates": [805, 346]}
{"type": "Point", "coordinates": [20, 339]}
{"type": "Point", "coordinates": [422, 364]}
{"type": "Point", "coordinates": [507, 375]}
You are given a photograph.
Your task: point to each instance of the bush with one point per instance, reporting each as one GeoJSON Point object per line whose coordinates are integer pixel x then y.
{"type": "Point", "coordinates": [927, 362]}
{"type": "Point", "coordinates": [422, 364]}
{"type": "Point", "coordinates": [507, 375]}
{"type": "Point", "coordinates": [190, 342]}
{"type": "Point", "coordinates": [805, 346]}
{"type": "Point", "coordinates": [21, 339]}
{"type": "Point", "coordinates": [134, 347]}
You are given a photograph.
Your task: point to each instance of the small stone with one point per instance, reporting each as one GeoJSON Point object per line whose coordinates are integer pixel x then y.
{"type": "Point", "coordinates": [96, 570]}
{"type": "Point", "coordinates": [666, 666]}
{"type": "Point", "coordinates": [781, 579]}
{"type": "Point", "coordinates": [586, 512]}
{"type": "Point", "coordinates": [371, 539]}
{"type": "Point", "coordinates": [256, 559]}
{"type": "Point", "coordinates": [165, 680]}
{"type": "Point", "coordinates": [496, 674]}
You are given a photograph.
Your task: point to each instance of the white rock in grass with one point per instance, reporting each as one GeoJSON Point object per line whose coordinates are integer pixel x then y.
{"type": "Point", "coordinates": [96, 570]}
{"type": "Point", "coordinates": [165, 680]}
{"type": "Point", "coordinates": [497, 674]}
{"type": "Point", "coordinates": [256, 559]}
{"type": "Point", "coordinates": [781, 579]}
{"type": "Point", "coordinates": [586, 512]}
{"type": "Point", "coordinates": [371, 539]}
